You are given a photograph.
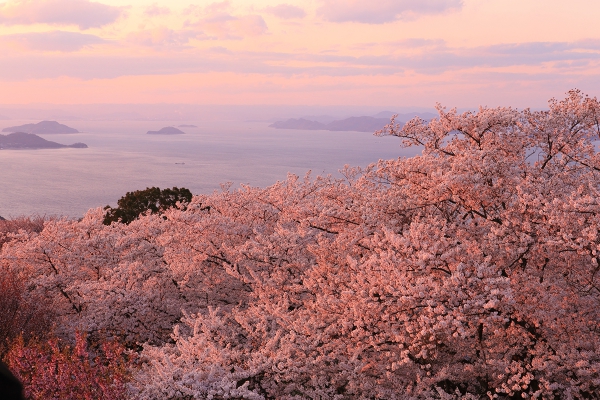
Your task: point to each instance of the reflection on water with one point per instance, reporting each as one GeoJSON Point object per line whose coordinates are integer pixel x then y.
{"type": "Point", "coordinates": [122, 158]}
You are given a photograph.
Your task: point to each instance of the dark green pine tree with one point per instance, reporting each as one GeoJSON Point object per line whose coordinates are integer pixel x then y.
{"type": "Point", "coordinates": [135, 203]}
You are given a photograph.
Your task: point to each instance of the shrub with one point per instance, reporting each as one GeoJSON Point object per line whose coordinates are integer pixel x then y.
{"type": "Point", "coordinates": [51, 370]}
{"type": "Point", "coordinates": [21, 314]}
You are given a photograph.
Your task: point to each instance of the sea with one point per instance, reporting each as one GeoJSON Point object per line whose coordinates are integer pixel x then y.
{"type": "Point", "coordinates": [121, 158]}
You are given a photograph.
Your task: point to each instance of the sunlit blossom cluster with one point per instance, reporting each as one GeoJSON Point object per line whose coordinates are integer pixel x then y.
{"type": "Point", "coordinates": [469, 271]}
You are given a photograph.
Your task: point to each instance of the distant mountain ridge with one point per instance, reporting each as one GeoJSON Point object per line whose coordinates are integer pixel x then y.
{"type": "Point", "coordinates": [299, 123]}
{"type": "Point", "coordinates": [43, 127]}
{"type": "Point", "coordinates": [23, 140]}
{"type": "Point", "coordinates": [356, 124]}
{"type": "Point", "coordinates": [359, 124]}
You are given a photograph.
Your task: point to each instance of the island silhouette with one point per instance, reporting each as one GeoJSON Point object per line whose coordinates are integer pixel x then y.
{"type": "Point", "coordinates": [41, 128]}
{"type": "Point", "coordinates": [357, 124]}
{"type": "Point", "coordinates": [30, 141]}
{"type": "Point", "coordinates": [168, 130]}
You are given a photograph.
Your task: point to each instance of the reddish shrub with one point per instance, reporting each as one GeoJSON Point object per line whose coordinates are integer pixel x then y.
{"type": "Point", "coordinates": [52, 370]}
{"type": "Point", "coordinates": [20, 314]}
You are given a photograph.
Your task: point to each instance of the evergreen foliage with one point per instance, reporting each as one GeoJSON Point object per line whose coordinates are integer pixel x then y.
{"type": "Point", "coordinates": [152, 199]}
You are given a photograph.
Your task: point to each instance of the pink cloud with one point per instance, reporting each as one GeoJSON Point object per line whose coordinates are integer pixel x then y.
{"type": "Point", "coordinates": [155, 10]}
{"type": "Point", "coordinates": [531, 59]}
{"type": "Point", "coordinates": [52, 41]}
{"type": "Point", "coordinates": [250, 25]}
{"type": "Point", "coordinates": [162, 36]}
{"type": "Point", "coordinates": [218, 22]}
{"type": "Point", "coordinates": [226, 26]}
{"type": "Point", "coordinates": [83, 13]}
{"type": "Point", "coordinates": [381, 11]}
{"type": "Point", "coordinates": [286, 11]}
{"type": "Point", "coordinates": [217, 7]}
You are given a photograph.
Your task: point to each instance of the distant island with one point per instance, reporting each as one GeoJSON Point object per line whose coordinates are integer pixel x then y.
{"type": "Point", "coordinates": [357, 124]}
{"type": "Point", "coordinates": [41, 128]}
{"type": "Point", "coordinates": [187, 126]}
{"type": "Point", "coordinates": [23, 140]}
{"type": "Point", "coordinates": [168, 130]}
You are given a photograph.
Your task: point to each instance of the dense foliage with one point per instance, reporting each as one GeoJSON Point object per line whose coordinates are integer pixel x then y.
{"type": "Point", "coordinates": [16, 225]}
{"type": "Point", "coordinates": [153, 200]}
{"type": "Point", "coordinates": [470, 271]}
{"type": "Point", "coordinates": [21, 313]}
{"type": "Point", "coordinates": [51, 370]}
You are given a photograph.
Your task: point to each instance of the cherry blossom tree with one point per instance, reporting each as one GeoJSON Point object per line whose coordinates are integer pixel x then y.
{"type": "Point", "coordinates": [11, 227]}
{"type": "Point", "coordinates": [469, 271]}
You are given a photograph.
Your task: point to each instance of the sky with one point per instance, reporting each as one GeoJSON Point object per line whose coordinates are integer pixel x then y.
{"type": "Point", "coordinates": [388, 53]}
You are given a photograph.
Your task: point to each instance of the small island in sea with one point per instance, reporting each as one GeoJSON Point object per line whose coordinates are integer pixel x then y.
{"type": "Point", "coordinates": [30, 141]}
{"type": "Point", "coordinates": [187, 126]}
{"type": "Point", "coordinates": [168, 130]}
{"type": "Point", "coordinates": [41, 128]}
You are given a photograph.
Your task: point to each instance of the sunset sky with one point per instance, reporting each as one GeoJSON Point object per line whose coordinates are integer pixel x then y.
{"type": "Point", "coordinates": [400, 53]}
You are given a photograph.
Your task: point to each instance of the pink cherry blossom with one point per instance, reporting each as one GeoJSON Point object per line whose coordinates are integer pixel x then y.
{"type": "Point", "coordinates": [468, 271]}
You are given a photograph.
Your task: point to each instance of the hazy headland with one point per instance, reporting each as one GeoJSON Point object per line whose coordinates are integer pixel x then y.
{"type": "Point", "coordinates": [42, 128]}
{"type": "Point", "coordinates": [30, 141]}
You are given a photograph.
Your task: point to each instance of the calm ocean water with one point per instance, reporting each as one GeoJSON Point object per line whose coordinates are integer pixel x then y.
{"type": "Point", "coordinates": [121, 157]}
